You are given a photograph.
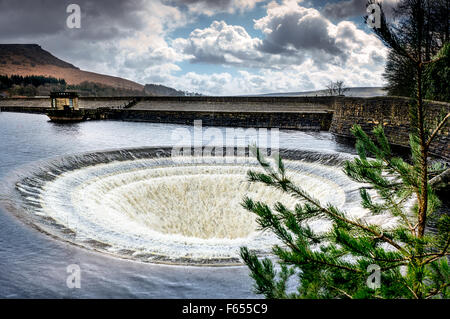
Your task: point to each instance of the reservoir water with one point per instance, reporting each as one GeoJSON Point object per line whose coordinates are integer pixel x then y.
{"type": "Point", "coordinates": [34, 265]}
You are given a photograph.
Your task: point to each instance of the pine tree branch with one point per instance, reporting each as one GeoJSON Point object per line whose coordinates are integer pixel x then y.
{"type": "Point", "coordinates": [346, 220]}
{"type": "Point", "coordinates": [434, 60]}
{"type": "Point", "coordinates": [282, 234]}
{"type": "Point", "coordinates": [404, 283]}
{"type": "Point", "coordinates": [436, 130]}
{"type": "Point", "coordinates": [400, 173]}
{"type": "Point", "coordinates": [295, 248]}
{"type": "Point", "coordinates": [342, 292]}
{"type": "Point", "coordinates": [320, 262]}
{"type": "Point", "coordinates": [399, 213]}
{"type": "Point", "coordinates": [387, 160]}
{"type": "Point", "coordinates": [444, 250]}
{"type": "Point", "coordinates": [430, 260]}
{"type": "Point", "coordinates": [286, 185]}
{"type": "Point", "coordinates": [439, 255]}
{"type": "Point", "coordinates": [394, 266]}
{"type": "Point", "coordinates": [412, 291]}
{"type": "Point", "coordinates": [437, 291]}
{"type": "Point", "coordinates": [369, 253]}
{"type": "Point", "coordinates": [308, 259]}
{"type": "Point", "coordinates": [389, 261]}
{"type": "Point", "coordinates": [440, 179]}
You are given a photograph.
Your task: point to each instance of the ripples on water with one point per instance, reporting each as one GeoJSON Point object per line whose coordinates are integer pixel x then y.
{"type": "Point", "coordinates": [34, 265]}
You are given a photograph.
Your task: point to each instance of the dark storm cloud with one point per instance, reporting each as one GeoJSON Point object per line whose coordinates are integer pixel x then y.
{"type": "Point", "coordinates": [345, 9]}
{"type": "Point", "coordinates": [18, 18]}
{"type": "Point", "coordinates": [353, 8]}
{"type": "Point", "coordinates": [101, 19]}
{"type": "Point", "coordinates": [290, 33]}
{"type": "Point", "coordinates": [211, 7]}
{"type": "Point", "coordinates": [95, 44]}
{"type": "Point", "coordinates": [211, 4]}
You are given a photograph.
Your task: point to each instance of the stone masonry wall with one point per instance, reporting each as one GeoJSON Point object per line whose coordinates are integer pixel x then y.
{"type": "Point", "coordinates": [298, 121]}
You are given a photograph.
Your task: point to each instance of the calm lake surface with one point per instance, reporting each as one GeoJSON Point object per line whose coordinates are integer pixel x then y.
{"type": "Point", "coordinates": [33, 265]}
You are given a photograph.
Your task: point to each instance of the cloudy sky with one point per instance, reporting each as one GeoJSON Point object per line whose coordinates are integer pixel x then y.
{"type": "Point", "coordinates": [216, 47]}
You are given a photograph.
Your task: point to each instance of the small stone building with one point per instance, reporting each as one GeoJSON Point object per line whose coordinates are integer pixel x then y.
{"type": "Point", "coordinates": [64, 100]}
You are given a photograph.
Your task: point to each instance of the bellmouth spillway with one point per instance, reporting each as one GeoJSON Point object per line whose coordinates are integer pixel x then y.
{"type": "Point", "coordinates": [145, 205]}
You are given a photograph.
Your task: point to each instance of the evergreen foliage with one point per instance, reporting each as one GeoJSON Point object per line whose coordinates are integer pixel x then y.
{"type": "Point", "coordinates": [399, 75]}
{"type": "Point", "coordinates": [437, 77]}
{"type": "Point", "coordinates": [7, 82]}
{"type": "Point", "coordinates": [412, 263]}
{"type": "Point", "coordinates": [400, 71]}
{"type": "Point", "coordinates": [33, 85]}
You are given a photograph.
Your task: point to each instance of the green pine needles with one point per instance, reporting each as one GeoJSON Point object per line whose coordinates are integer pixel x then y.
{"type": "Point", "coordinates": [342, 262]}
{"type": "Point", "coordinates": [355, 259]}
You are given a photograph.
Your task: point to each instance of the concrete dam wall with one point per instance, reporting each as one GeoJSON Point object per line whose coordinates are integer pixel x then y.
{"type": "Point", "coordinates": [336, 114]}
{"type": "Point", "coordinates": [285, 113]}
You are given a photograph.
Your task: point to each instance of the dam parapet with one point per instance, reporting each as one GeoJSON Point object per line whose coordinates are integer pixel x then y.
{"type": "Point", "coordinates": [393, 114]}
{"type": "Point", "coordinates": [334, 114]}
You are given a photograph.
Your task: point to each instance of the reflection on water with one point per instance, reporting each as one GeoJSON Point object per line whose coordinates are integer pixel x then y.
{"type": "Point", "coordinates": [72, 129]}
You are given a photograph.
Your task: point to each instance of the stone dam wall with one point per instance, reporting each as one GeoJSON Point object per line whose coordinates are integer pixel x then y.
{"type": "Point", "coordinates": [336, 114]}
{"type": "Point", "coordinates": [297, 121]}
{"type": "Point", "coordinates": [283, 113]}
{"type": "Point", "coordinates": [393, 114]}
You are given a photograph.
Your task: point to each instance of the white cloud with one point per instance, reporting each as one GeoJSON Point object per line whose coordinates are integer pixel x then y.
{"type": "Point", "coordinates": [307, 52]}
{"type": "Point", "coordinates": [301, 50]}
{"type": "Point", "coordinates": [304, 77]}
{"type": "Point", "coordinates": [221, 43]}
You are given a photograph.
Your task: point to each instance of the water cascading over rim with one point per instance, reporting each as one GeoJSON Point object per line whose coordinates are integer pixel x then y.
{"type": "Point", "coordinates": [145, 205]}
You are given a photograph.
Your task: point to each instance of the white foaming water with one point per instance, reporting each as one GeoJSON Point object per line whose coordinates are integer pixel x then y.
{"type": "Point", "coordinates": [174, 210]}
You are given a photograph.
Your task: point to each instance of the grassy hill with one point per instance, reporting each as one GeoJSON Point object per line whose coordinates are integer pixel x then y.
{"type": "Point", "coordinates": [31, 59]}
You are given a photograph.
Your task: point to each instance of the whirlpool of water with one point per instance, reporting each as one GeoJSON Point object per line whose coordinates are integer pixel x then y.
{"type": "Point", "coordinates": [145, 205]}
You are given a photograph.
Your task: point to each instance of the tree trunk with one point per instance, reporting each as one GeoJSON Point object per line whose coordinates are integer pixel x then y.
{"type": "Point", "coordinates": [423, 199]}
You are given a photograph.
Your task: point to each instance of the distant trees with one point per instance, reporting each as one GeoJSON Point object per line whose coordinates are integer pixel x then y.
{"type": "Point", "coordinates": [336, 88]}
{"type": "Point", "coordinates": [340, 88]}
{"type": "Point", "coordinates": [27, 85]}
{"type": "Point", "coordinates": [20, 90]}
{"type": "Point", "coordinates": [399, 72]}
{"type": "Point", "coordinates": [6, 82]}
{"type": "Point", "coordinates": [330, 88]}
{"type": "Point", "coordinates": [437, 77]}
{"type": "Point", "coordinates": [17, 85]}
